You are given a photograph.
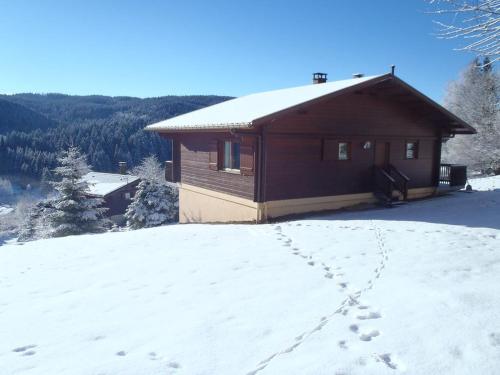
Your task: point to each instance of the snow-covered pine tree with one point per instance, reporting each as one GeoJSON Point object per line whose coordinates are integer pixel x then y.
{"type": "Point", "coordinates": [474, 97]}
{"type": "Point", "coordinates": [156, 201]}
{"type": "Point", "coordinates": [35, 224]}
{"type": "Point", "coordinates": [45, 185]}
{"type": "Point", "coordinates": [74, 212]}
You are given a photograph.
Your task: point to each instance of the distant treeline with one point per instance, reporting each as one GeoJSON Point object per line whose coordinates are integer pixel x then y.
{"type": "Point", "coordinates": [34, 128]}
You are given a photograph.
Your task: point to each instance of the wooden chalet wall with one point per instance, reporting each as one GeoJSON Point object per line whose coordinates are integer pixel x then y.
{"type": "Point", "coordinates": [300, 147]}
{"type": "Point", "coordinates": [299, 166]}
{"type": "Point", "coordinates": [199, 168]}
{"type": "Point", "coordinates": [116, 202]}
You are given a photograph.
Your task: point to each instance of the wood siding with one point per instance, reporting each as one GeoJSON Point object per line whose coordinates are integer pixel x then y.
{"type": "Point", "coordinates": [301, 146]}
{"type": "Point", "coordinates": [116, 203]}
{"type": "Point", "coordinates": [199, 165]}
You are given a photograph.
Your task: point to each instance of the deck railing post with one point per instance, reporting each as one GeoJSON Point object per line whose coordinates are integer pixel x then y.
{"type": "Point", "coordinates": [169, 171]}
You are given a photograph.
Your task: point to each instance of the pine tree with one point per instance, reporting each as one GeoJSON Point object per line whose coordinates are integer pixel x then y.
{"type": "Point", "coordinates": [36, 225]}
{"type": "Point", "coordinates": [474, 97]}
{"type": "Point", "coordinates": [45, 185]}
{"type": "Point", "coordinates": [74, 212]}
{"type": "Point", "coordinates": [156, 201]}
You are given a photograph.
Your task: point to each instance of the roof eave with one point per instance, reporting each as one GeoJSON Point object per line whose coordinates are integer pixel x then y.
{"type": "Point", "coordinates": [463, 127]}
{"type": "Point", "coordinates": [199, 127]}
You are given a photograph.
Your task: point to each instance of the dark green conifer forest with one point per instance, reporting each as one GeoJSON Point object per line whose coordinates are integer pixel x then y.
{"type": "Point", "coordinates": [34, 128]}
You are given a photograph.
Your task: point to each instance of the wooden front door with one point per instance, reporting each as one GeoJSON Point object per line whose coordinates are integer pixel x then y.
{"type": "Point", "coordinates": [382, 153]}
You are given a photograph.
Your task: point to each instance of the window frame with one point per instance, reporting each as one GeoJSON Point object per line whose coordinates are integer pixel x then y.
{"type": "Point", "coordinates": [349, 151]}
{"type": "Point", "coordinates": [415, 149]}
{"type": "Point", "coordinates": [231, 169]}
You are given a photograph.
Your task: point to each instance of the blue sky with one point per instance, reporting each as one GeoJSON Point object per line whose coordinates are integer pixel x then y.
{"type": "Point", "coordinates": [154, 48]}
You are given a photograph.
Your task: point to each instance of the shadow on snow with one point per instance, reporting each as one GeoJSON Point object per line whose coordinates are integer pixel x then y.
{"type": "Point", "coordinates": [478, 209]}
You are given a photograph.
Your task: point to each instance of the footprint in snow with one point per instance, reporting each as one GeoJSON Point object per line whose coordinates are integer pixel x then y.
{"type": "Point", "coordinates": [343, 285]}
{"type": "Point", "coordinates": [121, 353]}
{"type": "Point", "coordinates": [25, 350]}
{"type": "Point", "coordinates": [369, 335]}
{"type": "Point", "coordinates": [388, 360]}
{"type": "Point", "coordinates": [174, 365]}
{"type": "Point", "coordinates": [495, 339]}
{"type": "Point", "coordinates": [153, 356]}
{"type": "Point", "coordinates": [370, 315]}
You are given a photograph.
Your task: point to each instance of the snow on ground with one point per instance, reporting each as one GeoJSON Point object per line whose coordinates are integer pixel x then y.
{"type": "Point", "coordinates": [414, 290]}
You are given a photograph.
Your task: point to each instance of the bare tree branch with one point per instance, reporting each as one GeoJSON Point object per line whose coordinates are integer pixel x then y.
{"type": "Point", "coordinates": [477, 22]}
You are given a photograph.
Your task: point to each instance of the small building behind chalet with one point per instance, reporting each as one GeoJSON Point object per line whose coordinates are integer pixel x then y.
{"type": "Point", "coordinates": [116, 189]}
{"type": "Point", "coordinates": [311, 148]}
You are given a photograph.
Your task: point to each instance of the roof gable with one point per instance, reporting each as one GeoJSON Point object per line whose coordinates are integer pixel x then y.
{"type": "Point", "coordinates": [242, 112]}
{"type": "Point", "coordinates": [246, 111]}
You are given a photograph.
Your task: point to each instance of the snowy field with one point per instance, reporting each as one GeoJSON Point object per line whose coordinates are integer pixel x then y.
{"type": "Point", "coordinates": [414, 289]}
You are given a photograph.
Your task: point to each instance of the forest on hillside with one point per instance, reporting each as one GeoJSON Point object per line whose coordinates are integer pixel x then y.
{"type": "Point", "coordinates": [34, 128]}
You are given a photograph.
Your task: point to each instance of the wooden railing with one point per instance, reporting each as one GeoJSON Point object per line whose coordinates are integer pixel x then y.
{"type": "Point", "coordinates": [444, 173]}
{"type": "Point", "coordinates": [384, 183]}
{"type": "Point", "coordinates": [401, 180]}
{"type": "Point", "coordinates": [453, 175]}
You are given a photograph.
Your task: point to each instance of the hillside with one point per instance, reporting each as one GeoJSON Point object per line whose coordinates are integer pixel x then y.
{"type": "Point", "coordinates": [388, 291]}
{"type": "Point", "coordinates": [14, 116]}
{"type": "Point", "coordinates": [69, 109]}
{"type": "Point", "coordinates": [107, 129]}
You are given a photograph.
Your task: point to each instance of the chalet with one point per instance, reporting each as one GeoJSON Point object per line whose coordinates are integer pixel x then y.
{"type": "Point", "coordinates": [317, 147]}
{"type": "Point", "coordinates": [117, 190]}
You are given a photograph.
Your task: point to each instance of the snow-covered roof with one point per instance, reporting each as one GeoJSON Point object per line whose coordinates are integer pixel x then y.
{"type": "Point", "coordinates": [102, 184]}
{"type": "Point", "coordinates": [241, 112]}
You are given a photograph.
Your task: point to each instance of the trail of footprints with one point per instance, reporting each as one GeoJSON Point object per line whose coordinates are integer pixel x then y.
{"type": "Point", "coordinates": [28, 350]}
{"type": "Point", "coordinates": [342, 285]}
{"type": "Point", "coordinates": [363, 313]}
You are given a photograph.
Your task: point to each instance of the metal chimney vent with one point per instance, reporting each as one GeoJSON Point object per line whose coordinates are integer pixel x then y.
{"type": "Point", "coordinates": [122, 167]}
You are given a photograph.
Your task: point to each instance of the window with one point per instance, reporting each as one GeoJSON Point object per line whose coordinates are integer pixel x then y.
{"type": "Point", "coordinates": [126, 195]}
{"type": "Point", "coordinates": [231, 155]}
{"type": "Point", "coordinates": [344, 151]}
{"type": "Point", "coordinates": [411, 150]}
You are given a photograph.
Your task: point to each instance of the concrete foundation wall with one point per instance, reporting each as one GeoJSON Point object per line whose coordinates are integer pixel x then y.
{"type": "Point", "coordinates": [199, 205]}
